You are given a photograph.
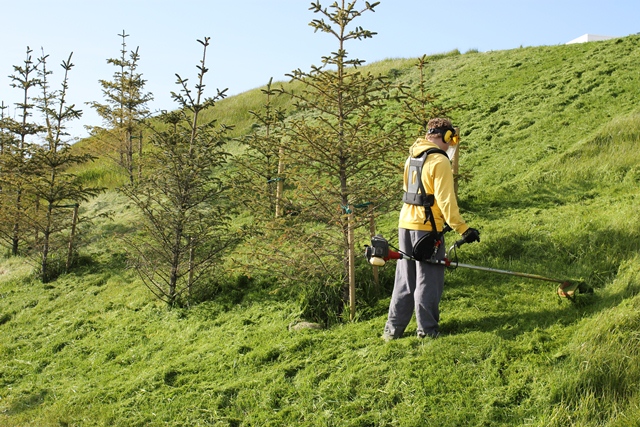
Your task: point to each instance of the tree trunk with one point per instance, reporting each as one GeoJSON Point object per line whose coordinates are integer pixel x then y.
{"type": "Point", "coordinates": [44, 266]}
{"type": "Point", "coordinates": [74, 221]}
{"type": "Point", "coordinates": [175, 266]}
{"type": "Point", "coordinates": [129, 156]}
{"type": "Point", "coordinates": [372, 232]}
{"type": "Point", "coordinates": [349, 260]}
{"type": "Point", "coordinates": [280, 181]}
{"type": "Point", "coordinates": [455, 165]}
{"type": "Point", "coordinates": [352, 269]}
{"type": "Point", "coordinates": [15, 239]}
{"type": "Point", "coordinates": [140, 157]}
{"type": "Point", "coordinates": [191, 265]}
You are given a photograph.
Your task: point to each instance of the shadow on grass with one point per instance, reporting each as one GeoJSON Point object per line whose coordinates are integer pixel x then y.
{"type": "Point", "coordinates": [510, 322]}
{"type": "Point", "coordinates": [592, 254]}
{"type": "Point", "coordinates": [27, 402]}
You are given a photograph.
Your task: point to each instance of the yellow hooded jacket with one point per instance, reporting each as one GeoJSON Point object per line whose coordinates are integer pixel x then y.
{"type": "Point", "coordinates": [437, 179]}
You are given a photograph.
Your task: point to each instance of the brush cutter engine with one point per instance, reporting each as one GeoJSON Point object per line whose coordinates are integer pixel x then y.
{"type": "Point", "coordinates": [378, 253]}
{"type": "Point", "coordinates": [425, 248]}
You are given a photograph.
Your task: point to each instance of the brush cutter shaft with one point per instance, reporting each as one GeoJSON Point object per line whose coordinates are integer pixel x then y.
{"type": "Point", "coordinates": [461, 242]}
{"type": "Point", "coordinates": [495, 270]}
{"type": "Point", "coordinates": [387, 254]}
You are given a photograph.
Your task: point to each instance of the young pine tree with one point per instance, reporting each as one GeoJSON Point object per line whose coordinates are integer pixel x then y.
{"type": "Point", "coordinates": [339, 149]}
{"type": "Point", "coordinates": [50, 183]}
{"type": "Point", "coordinates": [124, 108]}
{"type": "Point", "coordinates": [15, 161]}
{"type": "Point", "coordinates": [261, 167]}
{"type": "Point", "coordinates": [182, 197]}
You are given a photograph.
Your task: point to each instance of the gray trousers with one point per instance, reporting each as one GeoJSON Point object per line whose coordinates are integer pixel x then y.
{"type": "Point", "coordinates": [418, 286]}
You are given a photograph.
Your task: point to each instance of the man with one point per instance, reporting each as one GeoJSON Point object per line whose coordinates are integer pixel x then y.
{"type": "Point", "coordinates": [418, 285]}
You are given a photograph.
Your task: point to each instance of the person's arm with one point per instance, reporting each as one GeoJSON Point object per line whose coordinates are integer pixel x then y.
{"type": "Point", "coordinates": [444, 193]}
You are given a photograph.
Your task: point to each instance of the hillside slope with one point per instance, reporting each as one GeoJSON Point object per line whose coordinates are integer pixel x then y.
{"type": "Point", "coordinates": [550, 137]}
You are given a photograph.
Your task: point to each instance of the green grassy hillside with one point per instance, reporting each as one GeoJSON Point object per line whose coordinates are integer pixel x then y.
{"type": "Point", "coordinates": [552, 174]}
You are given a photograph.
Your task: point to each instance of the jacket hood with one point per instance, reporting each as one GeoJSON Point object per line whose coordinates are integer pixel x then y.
{"type": "Point", "coordinates": [420, 146]}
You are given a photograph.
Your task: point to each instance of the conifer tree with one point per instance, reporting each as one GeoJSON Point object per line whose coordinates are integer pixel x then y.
{"type": "Point", "coordinates": [182, 196]}
{"type": "Point", "coordinates": [124, 108]}
{"type": "Point", "coordinates": [34, 176]}
{"type": "Point", "coordinates": [15, 161]}
{"type": "Point", "coordinates": [261, 168]}
{"type": "Point", "coordinates": [50, 183]}
{"type": "Point", "coordinates": [339, 149]}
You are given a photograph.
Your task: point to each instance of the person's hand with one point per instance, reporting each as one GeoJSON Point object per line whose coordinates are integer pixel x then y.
{"type": "Point", "coordinates": [471, 235]}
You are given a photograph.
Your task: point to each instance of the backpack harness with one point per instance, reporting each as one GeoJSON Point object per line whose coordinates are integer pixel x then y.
{"type": "Point", "coordinates": [427, 246]}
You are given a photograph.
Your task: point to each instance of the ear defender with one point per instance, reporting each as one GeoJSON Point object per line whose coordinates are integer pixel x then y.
{"type": "Point", "coordinates": [449, 135]}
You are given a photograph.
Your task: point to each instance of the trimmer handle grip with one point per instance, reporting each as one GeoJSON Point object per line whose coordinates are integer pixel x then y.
{"type": "Point", "coordinates": [459, 243]}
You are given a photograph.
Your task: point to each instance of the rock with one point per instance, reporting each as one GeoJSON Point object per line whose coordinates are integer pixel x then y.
{"type": "Point", "coordinates": [304, 325]}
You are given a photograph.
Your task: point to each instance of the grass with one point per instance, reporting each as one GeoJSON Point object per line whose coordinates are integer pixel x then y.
{"type": "Point", "coordinates": [550, 139]}
{"type": "Point", "coordinates": [109, 356]}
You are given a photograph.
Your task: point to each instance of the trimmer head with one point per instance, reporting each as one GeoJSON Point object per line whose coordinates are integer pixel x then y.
{"type": "Point", "coordinates": [569, 289]}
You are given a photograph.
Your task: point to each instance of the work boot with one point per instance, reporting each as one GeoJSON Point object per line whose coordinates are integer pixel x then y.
{"type": "Point", "coordinates": [388, 337]}
{"type": "Point", "coordinates": [432, 335]}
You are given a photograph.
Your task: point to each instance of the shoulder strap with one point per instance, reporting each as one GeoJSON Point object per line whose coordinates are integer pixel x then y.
{"type": "Point", "coordinates": [436, 150]}
{"type": "Point", "coordinates": [427, 200]}
{"type": "Point", "coordinates": [416, 194]}
{"type": "Point", "coordinates": [423, 158]}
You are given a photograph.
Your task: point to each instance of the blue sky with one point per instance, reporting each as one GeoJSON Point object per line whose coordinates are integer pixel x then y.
{"type": "Point", "coordinates": [254, 40]}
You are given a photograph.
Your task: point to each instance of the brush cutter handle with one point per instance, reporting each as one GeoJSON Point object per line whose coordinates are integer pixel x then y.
{"type": "Point", "coordinates": [458, 243]}
{"type": "Point", "coordinates": [469, 236]}
{"type": "Point", "coordinates": [453, 247]}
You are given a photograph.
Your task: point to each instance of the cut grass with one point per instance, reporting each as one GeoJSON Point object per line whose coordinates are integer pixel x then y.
{"type": "Point", "coordinates": [550, 137]}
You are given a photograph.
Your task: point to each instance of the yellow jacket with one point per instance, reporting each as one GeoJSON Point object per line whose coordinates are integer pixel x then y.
{"type": "Point", "coordinates": [437, 179]}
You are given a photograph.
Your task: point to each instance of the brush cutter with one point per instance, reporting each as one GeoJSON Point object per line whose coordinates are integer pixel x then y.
{"type": "Point", "coordinates": [379, 253]}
